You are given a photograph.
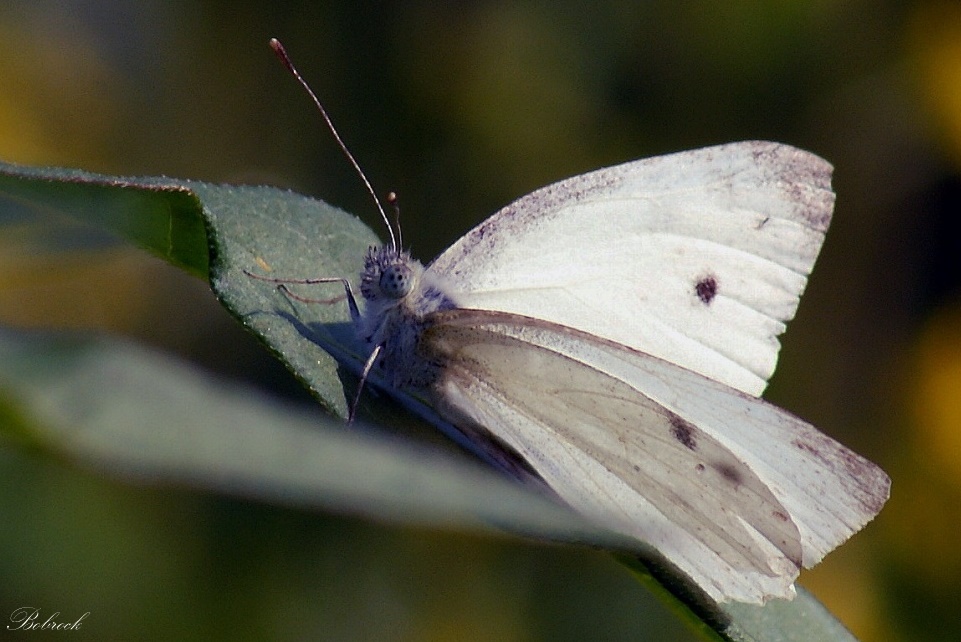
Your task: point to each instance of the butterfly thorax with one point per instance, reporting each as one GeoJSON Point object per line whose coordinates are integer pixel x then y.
{"type": "Point", "coordinates": [399, 295]}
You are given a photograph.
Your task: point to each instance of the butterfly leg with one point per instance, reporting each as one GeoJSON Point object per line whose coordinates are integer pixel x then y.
{"type": "Point", "coordinates": [363, 379]}
{"type": "Point", "coordinates": [351, 301]}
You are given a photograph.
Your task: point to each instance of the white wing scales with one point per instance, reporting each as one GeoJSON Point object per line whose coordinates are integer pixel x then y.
{"type": "Point", "coordinates": [734, 491]}
{"type": "Point", "coordinates": [615, 329]}
{"type": "Point", "coordinates": [698, 257]}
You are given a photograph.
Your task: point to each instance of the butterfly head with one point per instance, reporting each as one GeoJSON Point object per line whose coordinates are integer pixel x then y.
{"type": "Point", "coordinates": [389, 274]}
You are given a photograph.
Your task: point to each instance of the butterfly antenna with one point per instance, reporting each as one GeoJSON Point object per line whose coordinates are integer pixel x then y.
{"type": "Point", "coordinates": [284, 58]}
{"type": "Point", "coordinates": [392, 201]}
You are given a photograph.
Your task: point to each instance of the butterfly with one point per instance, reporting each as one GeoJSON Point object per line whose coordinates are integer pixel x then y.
{"type": "Point", "coordinates": [609, 336]}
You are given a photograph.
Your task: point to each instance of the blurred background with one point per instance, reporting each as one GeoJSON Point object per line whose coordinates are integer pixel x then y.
{"type": "Point", "coordinates": [460, 108]}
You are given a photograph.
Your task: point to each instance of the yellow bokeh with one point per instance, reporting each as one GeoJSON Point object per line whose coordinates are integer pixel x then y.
{"type": "Point", "coordinates": [37, 125]}
{"type": "Point", "coordinates": [938, 396]}
{"type": "Point", "coordinates": [935, 39]}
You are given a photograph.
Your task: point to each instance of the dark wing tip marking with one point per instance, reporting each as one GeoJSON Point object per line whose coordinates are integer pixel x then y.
{"type": "Point", "coordinates": [805, 177]}
{"type": "Point", "coordinates": [683, 432]}
{"type": "Point", "coordinates": [873, 484]}
{"type": "Point", "coordinates": [811, 448]}
{"type": "Point", "coordinates": [706, 288]}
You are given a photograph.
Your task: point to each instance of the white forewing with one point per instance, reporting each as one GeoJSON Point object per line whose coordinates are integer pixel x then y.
{"type": "Point", "coordinates": [735, 492]}
{"type": "Point", "coordinates": [697, 257]}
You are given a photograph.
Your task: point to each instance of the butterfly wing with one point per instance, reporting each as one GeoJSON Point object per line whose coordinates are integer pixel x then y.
{"type": "Point", "coordinates": [735, 492]}
{"type": "Point", "coordinates": [698, 257]}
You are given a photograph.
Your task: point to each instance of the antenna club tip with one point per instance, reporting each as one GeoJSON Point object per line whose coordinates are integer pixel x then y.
{"type": "Point", "coordinates": [391, 197]}
{"type": "Point", "coordinates": [279, 49]}
{"type": "Point", "coordinates": [282, 54]}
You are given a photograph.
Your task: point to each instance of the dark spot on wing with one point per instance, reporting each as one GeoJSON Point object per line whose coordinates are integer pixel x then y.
{"type": "Point", "coordinates": [779, 515]}
{"type": "Point", "coordinates": [728, 472]}
{"type": "Point", "coordinates": [706, 288]}
{"type": "Point", "coordinates": [699, 468]}
{"type": "Point", "coordinates": [683, 432]}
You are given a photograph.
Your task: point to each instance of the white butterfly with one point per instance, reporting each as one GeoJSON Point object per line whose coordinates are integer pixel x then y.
{"type": "Point", "coordinates": [613, 332]}
{"type": "Point", "coordinates": [610, 335]}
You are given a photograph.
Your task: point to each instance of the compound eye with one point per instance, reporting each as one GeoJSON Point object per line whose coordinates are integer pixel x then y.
{"type": "Point", "coordinates": [395, 281]}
